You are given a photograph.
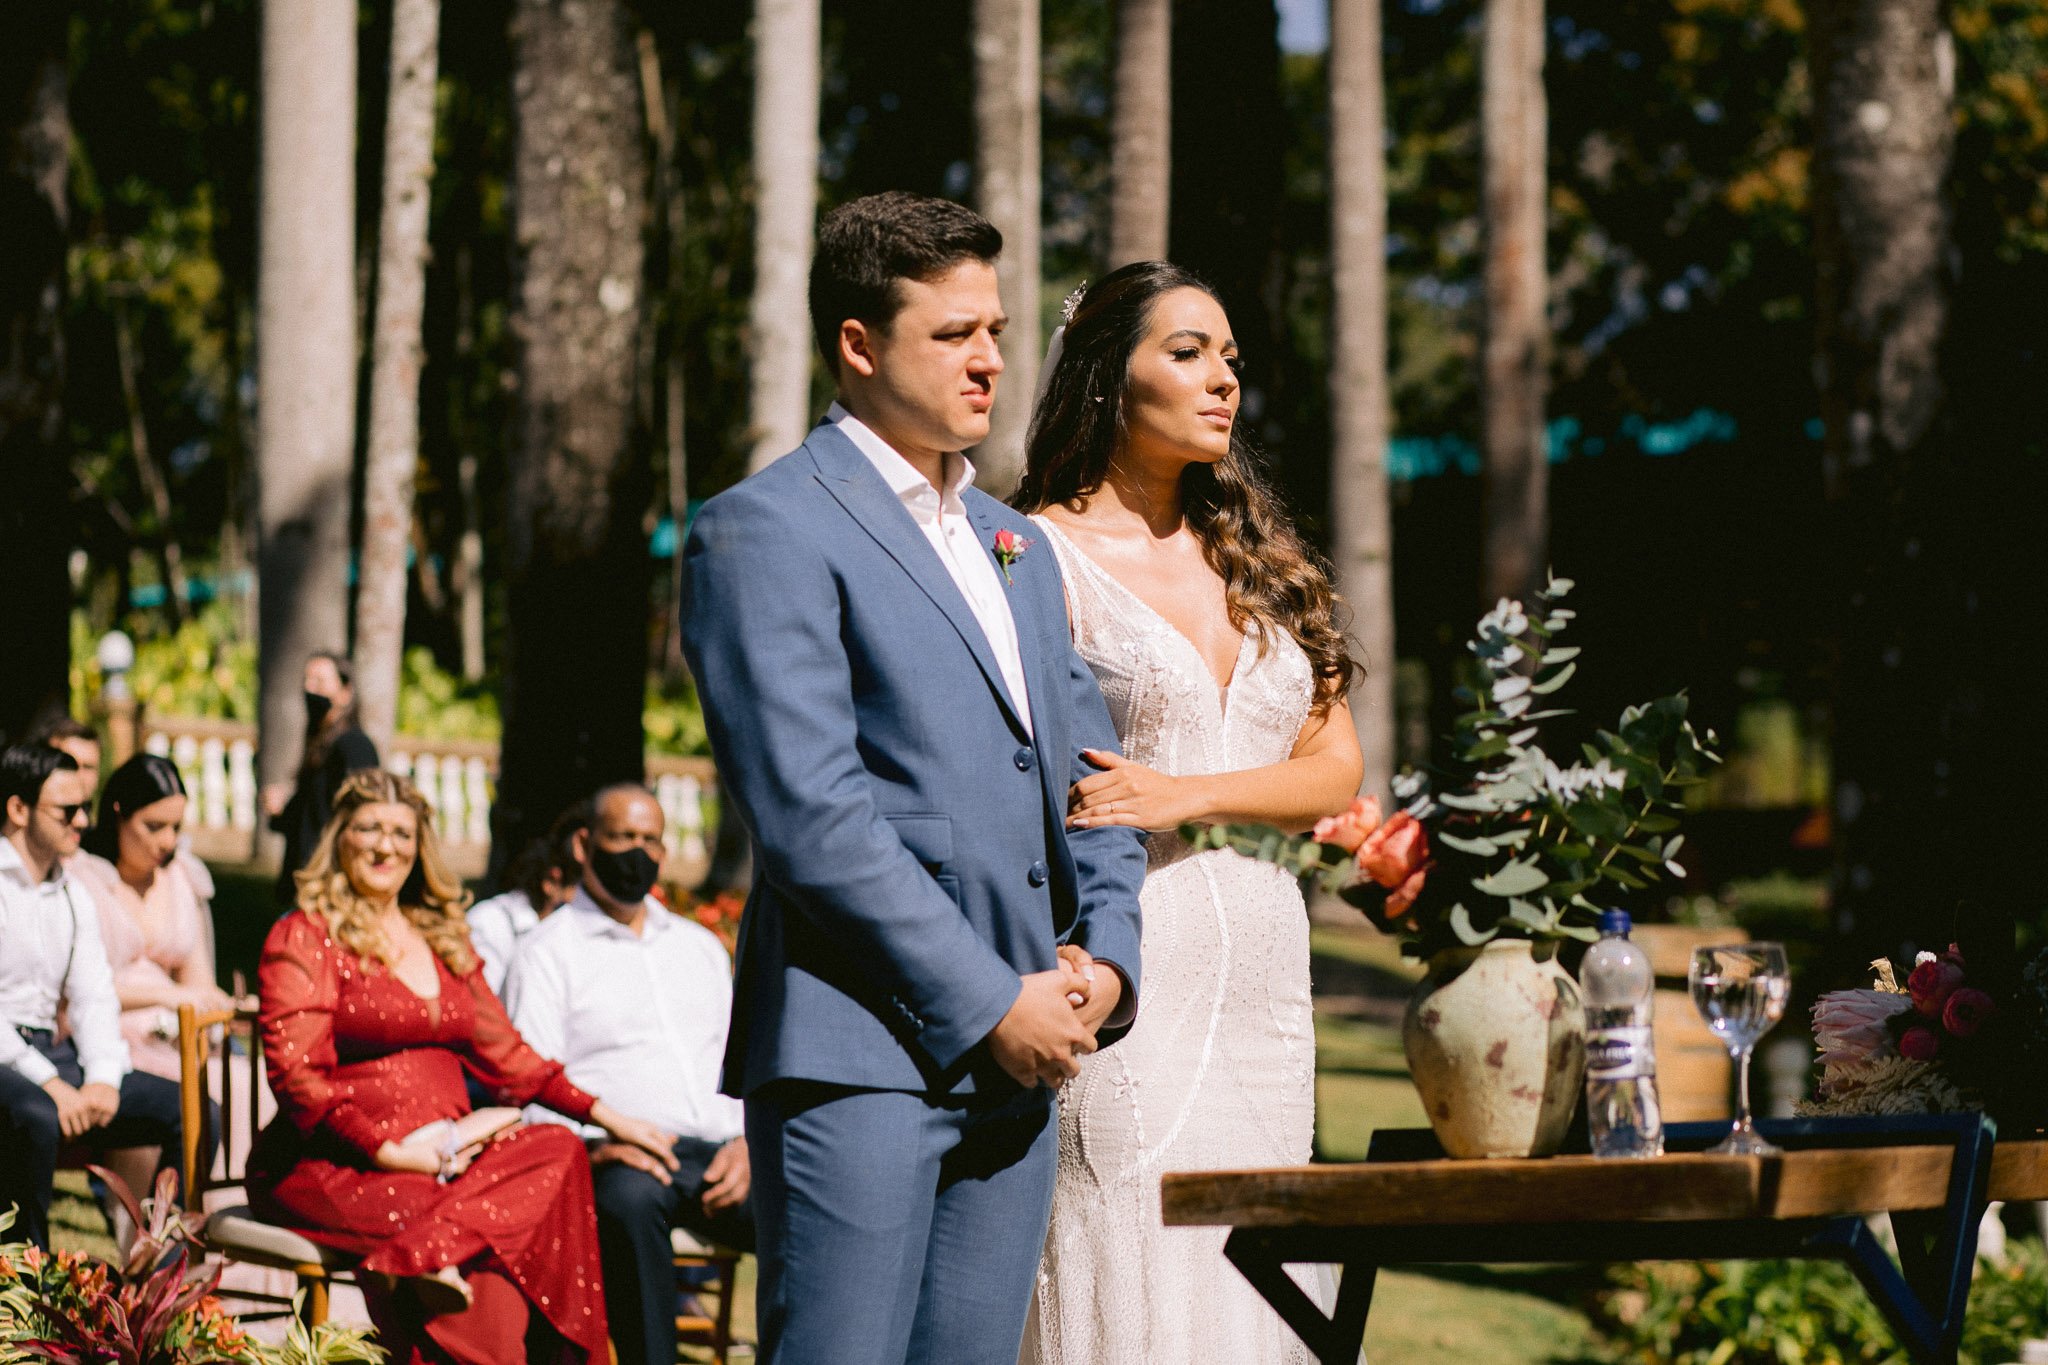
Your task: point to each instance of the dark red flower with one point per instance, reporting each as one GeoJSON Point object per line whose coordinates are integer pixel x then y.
{"type": "Point", "coordinates": [1931, 984]}
{"type": "Point", "coordinates": [1966, 1011]}
{"type": "Point", "coordinates": [1919, 1044]}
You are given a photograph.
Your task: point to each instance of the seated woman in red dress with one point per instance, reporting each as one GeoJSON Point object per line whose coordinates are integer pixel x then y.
{"type": "Point", "coordinates": [374, 1008]}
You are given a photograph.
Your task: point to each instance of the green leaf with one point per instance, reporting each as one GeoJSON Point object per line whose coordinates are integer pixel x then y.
{"type": "Point", "coordinates": [1517, 878]}
{"type": "Point", "coordinates": [1484, 848]}
{"type": "Point", "coordinates": [1523, 913]}
{"type": "Point", "coordinates": [1555, 680]}
{"type": "Point", "coordinates": [1582, 932]}
{"type": "Point", "coordinates": [1461, 925]}
{"type": "Point", "coordinates": [1487, 748]}
{"type": "Point", "coordinates": [1629, 879]}
{"type": "Point", "coordinates": [1573, 852]}
{"type": "Point", "coordinates": [1512, 838]}
{"type": "Point", "coordinates": [1561, 654]}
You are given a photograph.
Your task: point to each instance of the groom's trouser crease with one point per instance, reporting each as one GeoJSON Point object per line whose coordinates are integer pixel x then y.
{"type": "Point", "coordinates": [938, 1205]}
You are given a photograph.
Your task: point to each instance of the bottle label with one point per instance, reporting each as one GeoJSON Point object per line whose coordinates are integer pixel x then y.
{"type": "Point", "coordinates": [1619, 1054]}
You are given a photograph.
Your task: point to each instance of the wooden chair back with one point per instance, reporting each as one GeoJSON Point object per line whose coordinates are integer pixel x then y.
{"type": "Point", "coordinates": [197, 1065]}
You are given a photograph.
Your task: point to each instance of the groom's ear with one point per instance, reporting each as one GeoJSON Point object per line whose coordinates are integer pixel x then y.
{"type": "Point", "coordinates": [856, 348]}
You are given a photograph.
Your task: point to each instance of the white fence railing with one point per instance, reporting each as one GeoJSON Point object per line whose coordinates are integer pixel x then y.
{"type": "Point", "coordinates": [217, 759]}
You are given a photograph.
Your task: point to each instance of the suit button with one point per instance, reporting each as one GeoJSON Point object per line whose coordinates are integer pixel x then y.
{"type": "Point", "coordinates": [1038, 875]}
{"type": "Point", "coordinates": [1025, 760]}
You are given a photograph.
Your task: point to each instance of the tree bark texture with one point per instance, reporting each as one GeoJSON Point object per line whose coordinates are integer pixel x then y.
{"type": "Point", "coordinates": [1006, 87]}
{"type": "Point", "coordinates": [1362, 532]}
{"type": "Point", "coordinates": [170, 555]}
{"type": "Point", "coordinates": [305, 353]}
{"type": "Point", "coordinates": [576, 558]}
{"type": "Point", "coordinates": [1515, 353]}
{"type": "Point", "coordinates": [395, 359]}
{"type": "Point", "coordinates": [1903, 695]}
{"type": "Point", "coordinates": [1141, 128]}
{"type": "Point", "coordinates": [35, 517]}
{"type": "Point", "coordinates": [785, 219]}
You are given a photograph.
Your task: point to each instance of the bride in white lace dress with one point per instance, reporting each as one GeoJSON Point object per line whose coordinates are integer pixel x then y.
{"type": "Point", "coordinates": [1212, 631]}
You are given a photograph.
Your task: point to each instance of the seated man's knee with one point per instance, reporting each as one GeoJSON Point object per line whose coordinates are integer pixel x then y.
{"type": "Point", "coordinates": [631, 1196]}
{"type": "Point", "coordinates": [34, 1117]}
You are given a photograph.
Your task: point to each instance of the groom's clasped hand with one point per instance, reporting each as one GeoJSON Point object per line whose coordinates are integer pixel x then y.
{"type": "Point", "coordinates": [1052, 1024]}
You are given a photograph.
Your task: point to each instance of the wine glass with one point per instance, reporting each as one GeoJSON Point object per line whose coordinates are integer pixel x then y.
{"type": "Point", "coordinates": [1740, 990]}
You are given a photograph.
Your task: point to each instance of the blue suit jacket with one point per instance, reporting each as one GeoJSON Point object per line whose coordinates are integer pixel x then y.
{"type": "Point", "coordinates": [910, 846]}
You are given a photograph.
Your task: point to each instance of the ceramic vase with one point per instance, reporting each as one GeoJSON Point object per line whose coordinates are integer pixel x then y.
{"type": "Point", "coordinates": [1496, 1043]}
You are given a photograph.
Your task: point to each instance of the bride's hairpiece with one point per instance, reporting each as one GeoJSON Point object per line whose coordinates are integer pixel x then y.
{"type": "Point", "coordinates": [1072, 304]}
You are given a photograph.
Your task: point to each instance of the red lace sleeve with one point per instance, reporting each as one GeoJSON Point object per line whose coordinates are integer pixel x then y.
{"type": "Point", "coordinates": [300, 980]}
{"type": "Point", "coordinates": [501, 1059]}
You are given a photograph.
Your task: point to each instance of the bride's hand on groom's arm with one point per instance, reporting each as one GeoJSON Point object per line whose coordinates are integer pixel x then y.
{"type": "Point", "coordinates": [1041, 1040]}
{"type": "Point", "coordinates": [1127, 793]}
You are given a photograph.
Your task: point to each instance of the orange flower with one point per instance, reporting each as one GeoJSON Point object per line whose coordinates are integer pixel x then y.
{"type": "Point", "coordinates": [1395, 854]}
{"type": "Point", "coordinates": [1348, 829]}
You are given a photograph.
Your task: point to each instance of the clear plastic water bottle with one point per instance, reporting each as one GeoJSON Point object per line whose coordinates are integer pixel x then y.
{"type": "Point", "coordinates": [1621, 1066]}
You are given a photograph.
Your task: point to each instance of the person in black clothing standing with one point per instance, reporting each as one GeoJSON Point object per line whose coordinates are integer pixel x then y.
{"type": "Point", "coordinates": [335, 747]}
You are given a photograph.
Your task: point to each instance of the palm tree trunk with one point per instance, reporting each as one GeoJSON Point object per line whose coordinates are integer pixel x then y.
{"type": "Point", "coordinates": [1006, 86]}
{"type": "Point", "coordinates": [1141, 132]}
{"type": "Point", "coordinates": [35, 515]}
{"type": "Point", "coordinates": [1361, 522]}
{"type": "Point", "coordinates": [170, 555]}
{"type": "Point", "coordinates": [577, 569]}
{"type": "Point", "coordinates": [305, 352]}
{"type": "Point", "coordinates": [1514, 379]}
{"type": "Point", "coordinates": [785, 213]}
{"type": "Point", "coordinates": [1909, 718]}
{"type": "Point", "coordinates": [663, 100]}
{"type": "Point", "coordinates": [395, 364]}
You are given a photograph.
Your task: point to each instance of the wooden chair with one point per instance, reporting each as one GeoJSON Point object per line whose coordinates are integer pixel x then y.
{"type": "Point", "coordinates": [714, 1330]}
{"type": "Point", "coordinates": [235, 1233]}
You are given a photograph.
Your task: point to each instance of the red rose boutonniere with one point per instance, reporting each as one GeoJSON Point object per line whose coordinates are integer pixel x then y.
{"type": "Point", "coordinates": [1009, 549]}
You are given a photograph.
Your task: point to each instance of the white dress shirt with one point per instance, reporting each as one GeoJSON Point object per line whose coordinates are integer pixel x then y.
{"type": "Point", "coordinates": [495, 928]}
{"type": "Point", "coordinates": [638, 1020]}
{"type": "Point", "coordinates": [945, 523]}
{"type": "Point", "coordinates": [50, 954]}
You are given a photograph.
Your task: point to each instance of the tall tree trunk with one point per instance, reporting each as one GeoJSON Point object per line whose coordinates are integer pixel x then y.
{"type": "Point", "coordinates": [305, 353]}
{"type": "Point", "coordinates": [395, 359]}
{"type": "Point", "coordinates": [170, 555]}
{"type": "Point", "coordinates": [1006, 86]}
{"type": "Point", "coordinates": [469, 555]}
{"type": "Point", "coordinates": [785, 214]}
{"type": "Point", "coordinates": [35, 515]}
{"type": "Point", "coordinates": [1362, 531]}
{"type": "Point", "coordinates": [1882, 78]}
{"type": "Point", "coordinates": [1515, 361]}
{"type": "Point", "coordinates": [664, 102]}
{"type": "Point", "coordinates": [577, 567]}
{"type": "Point", "coordinates": [1141, 126]}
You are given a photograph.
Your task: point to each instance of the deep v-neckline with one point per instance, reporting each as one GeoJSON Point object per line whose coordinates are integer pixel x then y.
{"type": "Point", "coordinates": [1244, 638]}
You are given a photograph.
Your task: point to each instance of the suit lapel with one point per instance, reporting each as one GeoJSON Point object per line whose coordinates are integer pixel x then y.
{"type": "Point", "coordinates": [853, 482]}
{"type": "Point", "coordinates": [1028, 653]}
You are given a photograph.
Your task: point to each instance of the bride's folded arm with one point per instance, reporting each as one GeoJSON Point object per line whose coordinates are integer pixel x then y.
{"type": "Point", "coordinates": [1319, 778]}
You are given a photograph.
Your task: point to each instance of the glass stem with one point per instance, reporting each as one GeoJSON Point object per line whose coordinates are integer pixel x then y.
{"type": "Point", "coordinates": [1742, 1123]}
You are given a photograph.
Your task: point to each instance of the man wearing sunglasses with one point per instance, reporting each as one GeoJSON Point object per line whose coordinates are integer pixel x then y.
{"type": "Point", "coordinates": [78, 1090]}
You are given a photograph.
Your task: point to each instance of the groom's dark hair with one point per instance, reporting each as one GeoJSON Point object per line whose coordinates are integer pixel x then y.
{"type": "Point", "coordinates": [867, 245]}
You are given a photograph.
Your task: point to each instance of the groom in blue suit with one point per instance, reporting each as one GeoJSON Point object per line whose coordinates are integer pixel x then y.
{"type": "Point", "coordinates": [898, 713]}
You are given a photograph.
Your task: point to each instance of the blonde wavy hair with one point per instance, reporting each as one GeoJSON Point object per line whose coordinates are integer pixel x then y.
{"type": "Point", "coordinates": [432, 897]}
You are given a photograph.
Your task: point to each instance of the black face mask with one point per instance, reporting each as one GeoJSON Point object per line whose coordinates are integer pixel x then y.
{"type": "Point", "coordinates": [626, 876]}
{"type": "Point", "coordinates": [317, 708]}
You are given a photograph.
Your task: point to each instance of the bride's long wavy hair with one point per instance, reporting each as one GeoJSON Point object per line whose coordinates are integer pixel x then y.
{"type": "Point", "coordinates": [1272, 579]}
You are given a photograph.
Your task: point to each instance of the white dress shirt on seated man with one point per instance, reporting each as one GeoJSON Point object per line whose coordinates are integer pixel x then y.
{"type": "Point", "coordinates": [639, 1018]}
{"type": "Point", "coordinates": [495, 928]}
{"type": "Point", "coordinates": [50, 952]}
{"type": "Point", "coordinates": [944, 521]}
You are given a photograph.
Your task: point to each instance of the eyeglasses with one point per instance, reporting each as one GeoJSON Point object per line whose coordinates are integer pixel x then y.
{"type": "Point", "coordinates": [371, 834]}
{"type": "Point", "coordinates": [68, 812]}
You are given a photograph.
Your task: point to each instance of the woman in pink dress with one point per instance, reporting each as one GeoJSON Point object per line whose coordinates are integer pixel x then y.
{"type": "Point", "coordinates": [153, 914]}
{"type": "Point", "coordinates": [374, 1009]}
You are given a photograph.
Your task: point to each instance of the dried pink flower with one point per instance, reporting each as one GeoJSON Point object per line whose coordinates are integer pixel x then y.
{"type": "Point", "coordinates": [1849, 1026]}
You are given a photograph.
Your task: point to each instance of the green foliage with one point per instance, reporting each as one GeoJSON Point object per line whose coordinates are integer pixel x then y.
{"type": "Point", "coordinates": [200, 669]}
{"type": "Point", "coordinates": [1522, 847]}
{"type": "Point", "coordinates": [1801, 1313]}
{"type": "Point", "coordinates": [433, 704]}
{"type": "Point", "coordinates": [673, 721]}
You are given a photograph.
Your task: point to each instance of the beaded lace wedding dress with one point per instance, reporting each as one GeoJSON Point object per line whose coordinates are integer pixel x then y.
{"type": "Point", "coordinates": [1219, 1070]}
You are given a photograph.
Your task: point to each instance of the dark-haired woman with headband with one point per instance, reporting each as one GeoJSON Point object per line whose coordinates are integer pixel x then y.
{"type": "Point", "coordinates": [153, 915]}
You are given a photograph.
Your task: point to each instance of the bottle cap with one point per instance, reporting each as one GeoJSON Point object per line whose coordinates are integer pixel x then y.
{"type": "Point", "coordinates": [1614, 922]}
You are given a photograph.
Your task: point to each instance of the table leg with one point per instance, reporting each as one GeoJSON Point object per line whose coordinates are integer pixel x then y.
{"type": "Point", "coordinates": [1335, 1340]}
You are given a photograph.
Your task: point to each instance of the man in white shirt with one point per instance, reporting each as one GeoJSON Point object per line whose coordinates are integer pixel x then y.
{"type": "Point", "coordinates": [635, 1002]}
{"type": "Point", "coordinates": [79, 1090]}
{"type": "Point", "coordinates": [539, 881]}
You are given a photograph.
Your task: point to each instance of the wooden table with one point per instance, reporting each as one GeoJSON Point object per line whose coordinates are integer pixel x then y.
{"type": "Point", "coordinates": [1407, 1205]}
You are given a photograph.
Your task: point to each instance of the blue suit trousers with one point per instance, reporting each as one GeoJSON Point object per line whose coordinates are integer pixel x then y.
{"type": "Point", "coordinates": [889, 1222]}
